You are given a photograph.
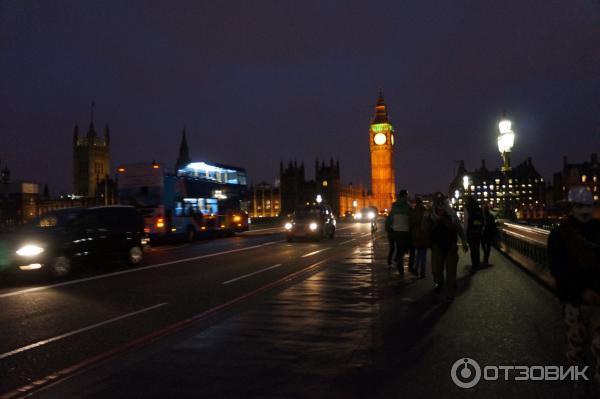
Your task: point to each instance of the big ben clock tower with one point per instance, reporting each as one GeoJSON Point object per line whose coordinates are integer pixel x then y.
{"type": "Point", "coordinates": [381, 139]}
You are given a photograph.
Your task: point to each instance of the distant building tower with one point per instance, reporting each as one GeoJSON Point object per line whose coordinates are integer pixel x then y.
{"type": "Point", "coordinates": [91, 159]}
{"type": "Point", "coordinates": [184, 154]}
{"type": "Point", "coordinates": [327, 178]}
{"type": "Point", "coordinates": [381, 139]}
{"type": "Point", "coordinates": [5, 175]}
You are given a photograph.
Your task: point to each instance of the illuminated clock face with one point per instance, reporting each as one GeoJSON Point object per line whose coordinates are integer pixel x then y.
{"type": "Point", "coordinates": [380, 139]}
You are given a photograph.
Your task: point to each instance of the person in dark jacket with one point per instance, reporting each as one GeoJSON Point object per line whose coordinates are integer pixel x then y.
{"type": "Point", "coordinates": [489, 233]}
{"type": "Point", "coordinates": [574, 260]}
{"type": "Point", "coordinates": [418, 237]}
{"type": "Point", "coordinates": [444, 229]}
{"type": "Point", "coordinates": [474, 230]}
{"type": "Point", "coordinates": [397, 223]}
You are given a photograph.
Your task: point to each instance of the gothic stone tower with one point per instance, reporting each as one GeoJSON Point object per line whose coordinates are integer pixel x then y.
{"type": "Point", "coordinates": [184, 153]}
{"type": "Point", "coordinates": [381, 143]}
{"type": "Point", "coordinates": [91, 159]}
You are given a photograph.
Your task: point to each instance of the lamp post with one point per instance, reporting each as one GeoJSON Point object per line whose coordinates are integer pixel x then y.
{"type": "Point", "coordinates": [506, 141]}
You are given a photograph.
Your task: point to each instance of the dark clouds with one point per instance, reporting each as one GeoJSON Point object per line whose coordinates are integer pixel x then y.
{"type": "Point", "coordinates": [258, 81]}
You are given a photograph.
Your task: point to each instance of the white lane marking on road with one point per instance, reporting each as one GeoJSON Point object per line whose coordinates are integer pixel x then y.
{"type": "Point", "coordinates": [313, 253]}
{"type": "Point", "coordinates": [347, 241]}
{"type": "Point", "coordinates": [265, 229]}
{"type": "Point", "coordinates": [252, 274]}
{"type": "Point", "coordinates": [141, 268]}
{"type": "Point", "coordinates": [80, 330]}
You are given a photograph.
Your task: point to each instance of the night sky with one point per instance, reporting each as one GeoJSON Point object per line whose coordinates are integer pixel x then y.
{"type": "Point", "coordinates": [255, 82]}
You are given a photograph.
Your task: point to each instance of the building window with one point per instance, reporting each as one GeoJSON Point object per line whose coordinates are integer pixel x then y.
{"type": "Point", "coordinates": [583, 178]}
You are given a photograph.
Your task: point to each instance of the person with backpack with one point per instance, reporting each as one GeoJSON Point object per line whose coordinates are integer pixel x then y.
{"type": "Point", "coordinates": [474, 230]}
{"type": "Point", "coordinates": [574, 260]}
{"type": "Point", "coordinates": [489, 233]}
{"type": "Point", "coordinates": [397, 223]}
{"type": "Point", "coordinates": [418, 237]}
{"type": "Point", "coordinates": [444, 229]}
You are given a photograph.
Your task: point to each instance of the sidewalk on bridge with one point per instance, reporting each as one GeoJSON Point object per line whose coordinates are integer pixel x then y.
{"type": "Point", "coordinates": [354, 329]}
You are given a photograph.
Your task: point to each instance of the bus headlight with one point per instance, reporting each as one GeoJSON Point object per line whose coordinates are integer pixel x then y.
{"type": "Point", "coordinates": [237, 218]}
{"type": "Point", "coordinates": [288, 226]}
{"type": "Point", "coordinates": [30, 250]}
{"type": "Point", "coordinates": [313, 226]}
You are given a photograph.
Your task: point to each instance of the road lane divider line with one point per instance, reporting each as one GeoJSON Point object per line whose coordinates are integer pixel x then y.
{"type": "Point", "coordinates": [347, 241]}
{"type": "Point", "coordinates": [78, 331]}
{"type": "Point", "coordinates": [251, 274]}
{"type": "Point", "coordinates": [71, 371]}
{"type": "Point", "coordinates": [314, 253]}
{"type": "Point", "coordinates": [280, 228]}
{"type": "Point", "coordinates": [136, 269]}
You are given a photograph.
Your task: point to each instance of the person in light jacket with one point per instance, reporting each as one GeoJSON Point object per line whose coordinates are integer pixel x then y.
{"type": "Point", "coordinates": [397, 223]}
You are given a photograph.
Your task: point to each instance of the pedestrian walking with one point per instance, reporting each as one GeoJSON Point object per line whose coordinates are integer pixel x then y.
{"type": "Point", "coordinates": [444, 229]}
{"type": "Point", "coordinates": [473, 219]}
{"type": "Point", "coordinates": [574, 258]}
{"type": "Point", "coordinates": [489, 233]}
{"type": "Point", "coordinates": [418, 237]}
{"type": "Point", "coordinates": [398, 224]}
{"type": "Point", "coordinates": [391, 241]}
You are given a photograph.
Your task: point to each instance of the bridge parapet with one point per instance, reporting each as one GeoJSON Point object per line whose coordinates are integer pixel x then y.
{"type": "Point", "coordinates": [527, 246]}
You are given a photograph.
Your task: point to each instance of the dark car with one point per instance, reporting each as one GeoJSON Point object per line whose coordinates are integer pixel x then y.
{"type": "Point", "coordinates": [311, 221]}
{"type": "Point", "coordinates": [64, 238]}
{"type": "Point", "coordinates": [366, 215]}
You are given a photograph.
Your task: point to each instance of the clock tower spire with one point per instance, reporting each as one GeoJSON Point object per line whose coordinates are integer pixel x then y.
{"type": "Point", "coordinates": [381, 144]}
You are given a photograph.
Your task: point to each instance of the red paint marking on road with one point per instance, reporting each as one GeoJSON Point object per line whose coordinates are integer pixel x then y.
{"type": "Point", "coordinates": [71, 371]}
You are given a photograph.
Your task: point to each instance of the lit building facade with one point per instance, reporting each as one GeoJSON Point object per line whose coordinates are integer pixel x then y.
{"type": "Point", "coordinates": [266, 201]}
{"type": "Point", "coordinates": [381, 145]}
{"type": "Point", "coordinates": [585, 173]}
{"type": "Point", "coordinates": [523, 187]}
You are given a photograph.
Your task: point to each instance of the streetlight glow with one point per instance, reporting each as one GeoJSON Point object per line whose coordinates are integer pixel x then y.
{"type": "Point", "coordinates": [505, 126]}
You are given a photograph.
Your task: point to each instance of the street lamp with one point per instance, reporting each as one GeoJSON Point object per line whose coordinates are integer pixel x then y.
{"type": "Point", "coordinates": [466, 183]}
{"type": "Point", "coordinates": [506, 141]}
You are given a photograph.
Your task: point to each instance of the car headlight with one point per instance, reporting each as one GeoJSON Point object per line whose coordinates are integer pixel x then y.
{"type": "Point", "coordinates": [30, 250]}
{"type": "Point", "coordinates": [371, 215]}
{"type": "Point", "coordinates": [288, 226]}
{"type": "Point", "coordinates": [313, 226]}
{"type": "Point", "coordinates": [358, 215]}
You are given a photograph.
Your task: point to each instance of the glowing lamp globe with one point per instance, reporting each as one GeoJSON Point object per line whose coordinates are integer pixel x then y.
{"type": "Point", "coordinates": [505, 126]}
{"type": "Point", "coordinates": [506, 141]}
{"type": "Point", "coordinates": [465, 182]}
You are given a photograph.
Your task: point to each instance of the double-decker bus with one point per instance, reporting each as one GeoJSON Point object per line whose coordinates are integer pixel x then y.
{"type": "Point", "coordinates": [200, 198]}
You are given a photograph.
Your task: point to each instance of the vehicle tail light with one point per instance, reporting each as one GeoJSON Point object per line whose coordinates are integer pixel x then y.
{"type": "Point", "coordinates": [160, 223]}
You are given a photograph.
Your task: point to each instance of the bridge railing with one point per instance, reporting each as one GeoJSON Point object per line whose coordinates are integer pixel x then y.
{"type": "Point", "coordinates": [527, 246]}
